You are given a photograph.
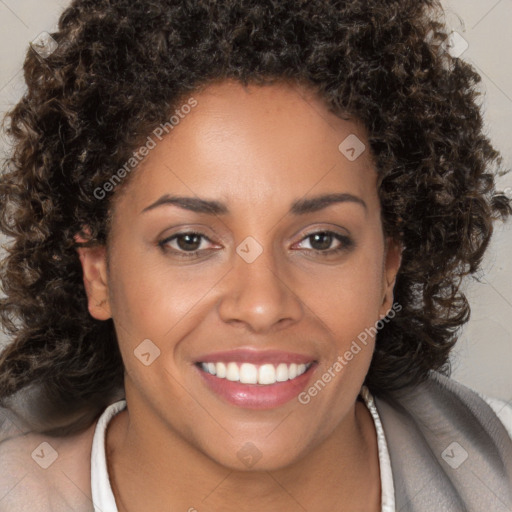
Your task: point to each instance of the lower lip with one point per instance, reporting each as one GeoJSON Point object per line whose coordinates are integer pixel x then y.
{"type": "Point", "coordinates": [257, 396]}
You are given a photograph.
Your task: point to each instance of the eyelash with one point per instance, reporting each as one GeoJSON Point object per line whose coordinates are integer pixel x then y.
{"type": "Point", "coordinates": [346, 243]}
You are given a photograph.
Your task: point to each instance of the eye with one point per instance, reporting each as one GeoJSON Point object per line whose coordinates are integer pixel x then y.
{"type": "Point", "coordinates": [321, 242]}
{"type": "Point", "coordinates": [186, 244]}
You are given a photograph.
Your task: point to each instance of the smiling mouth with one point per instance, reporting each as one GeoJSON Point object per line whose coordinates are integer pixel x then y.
{"type": "Point", "coordinates": [248, 373]}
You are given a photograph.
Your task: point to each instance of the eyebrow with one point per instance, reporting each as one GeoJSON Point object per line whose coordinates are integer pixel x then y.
{"type": "Point", "coordinates": [298, 207]}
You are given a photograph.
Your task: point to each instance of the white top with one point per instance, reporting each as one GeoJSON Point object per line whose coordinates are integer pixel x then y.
{"type": "Point", "coordinates": [103, 497]}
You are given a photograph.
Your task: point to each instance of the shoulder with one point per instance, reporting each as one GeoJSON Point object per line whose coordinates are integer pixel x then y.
{"type": "Point", "coordinates": [456, 434]}
{"type": "Point", "coordinates": [502, 409]}
{"type": "Point", "coordinates": [45, 473]}
{"type": "Point", "coordinates": [441, 399]}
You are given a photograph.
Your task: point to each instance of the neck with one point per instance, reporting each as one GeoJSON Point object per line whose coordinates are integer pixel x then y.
{"type": "Point", "coordinates": [154, 468]}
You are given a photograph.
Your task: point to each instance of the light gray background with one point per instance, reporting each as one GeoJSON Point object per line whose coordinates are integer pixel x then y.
{"type": "Point", "coordinates": [483, 357]}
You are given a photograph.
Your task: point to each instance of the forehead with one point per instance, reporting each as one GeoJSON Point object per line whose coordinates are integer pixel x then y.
{"type": "Point", "coordinates": [258, 144]}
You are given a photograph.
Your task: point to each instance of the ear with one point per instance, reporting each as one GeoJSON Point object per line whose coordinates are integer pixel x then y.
{"type": "Point", "coordinates": [94, 267]}
{"type": "Point", "coordinates": [392, 260]}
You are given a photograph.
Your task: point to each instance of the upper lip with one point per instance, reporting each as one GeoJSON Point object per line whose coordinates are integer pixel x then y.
{"type": "Point", "coordinates": [256, 357]}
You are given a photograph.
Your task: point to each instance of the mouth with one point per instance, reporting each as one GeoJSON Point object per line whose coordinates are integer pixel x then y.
{"type": "Point", "coordinates": [256, 380]}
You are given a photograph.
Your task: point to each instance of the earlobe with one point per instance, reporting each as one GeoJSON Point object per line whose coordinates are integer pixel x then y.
{"type": "Point", "coordinates": [95, 277]}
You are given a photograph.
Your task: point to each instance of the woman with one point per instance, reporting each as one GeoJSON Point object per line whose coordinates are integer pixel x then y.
{"type": "Point", "coordinates": [239, 230]}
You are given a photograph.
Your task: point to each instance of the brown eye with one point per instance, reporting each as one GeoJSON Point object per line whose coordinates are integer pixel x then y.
{"type": "Point", "coordinates": [189, 241]}
{"type": "Point", "coordinates": [187, 244]}
{"type": "Point", "coordinates": [321, 242]}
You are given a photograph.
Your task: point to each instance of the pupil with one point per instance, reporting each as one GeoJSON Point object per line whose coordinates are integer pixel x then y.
{"type": "Point", "coordinates": [193, 240]}
{"type": "Point", "coordinates": [319, 236]}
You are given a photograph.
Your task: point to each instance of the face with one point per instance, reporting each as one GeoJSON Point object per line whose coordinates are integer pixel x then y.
{"type": "Point", "coordinates": [266, 271]}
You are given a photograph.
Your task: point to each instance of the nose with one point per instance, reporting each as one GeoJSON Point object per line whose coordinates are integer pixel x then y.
{"type": "Point", "coordinates": [258, 296]}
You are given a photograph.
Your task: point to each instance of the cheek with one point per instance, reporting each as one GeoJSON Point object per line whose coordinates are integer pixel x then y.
{"type": "Point", "coordinates": [349, 297]}
{"type": "Point", "coordinates": [150, 297]}
{"type": "Point", "coordinates": [348, 305]}
{"type": "Point", "coordinates": [348, 302]}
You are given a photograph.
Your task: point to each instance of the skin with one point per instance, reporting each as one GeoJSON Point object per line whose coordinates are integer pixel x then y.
{"type": "Point", "coordinates": [256, 149]}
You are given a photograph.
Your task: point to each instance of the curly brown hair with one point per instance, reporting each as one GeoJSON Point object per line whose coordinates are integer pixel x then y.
{"type": "Point", "coordinates": [119, 69]}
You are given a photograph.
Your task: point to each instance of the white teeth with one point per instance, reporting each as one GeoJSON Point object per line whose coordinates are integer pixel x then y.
{"type": "Point", "coordinates": [232, 372]}
{"type": "Point", "coordinates": [220, 370]}
{"type": "Point", "coordinates": [282, 372]}
{"type": "Point", "coordinates": [267, 374]}
{"type": "Point", "coordinates": [248, 373]}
